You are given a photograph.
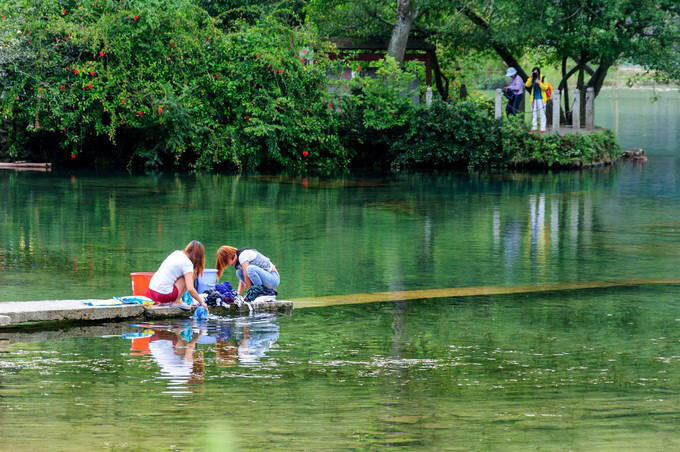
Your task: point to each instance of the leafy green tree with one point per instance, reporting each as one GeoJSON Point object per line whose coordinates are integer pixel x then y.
{"type": "Point", "coordinates": [590, 35]}
{"type": "Point", "coordinates": [161, 83]}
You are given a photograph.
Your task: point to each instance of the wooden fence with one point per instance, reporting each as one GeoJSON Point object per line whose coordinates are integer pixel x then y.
{"type": "Point", "coordinates": [576, 123]}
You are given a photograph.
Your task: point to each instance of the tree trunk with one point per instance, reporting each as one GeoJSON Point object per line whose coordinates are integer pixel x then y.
{"type": "Point", "coordinates": [442, 86]}
{"type": "Point", "coordinates": [597, 79]}
{"type": "Point", "coordinates": [564, 86]}
{"type": "Point", "coordinates": [406, 14]}
{"type": "Point", "coordinates": [581, 85]}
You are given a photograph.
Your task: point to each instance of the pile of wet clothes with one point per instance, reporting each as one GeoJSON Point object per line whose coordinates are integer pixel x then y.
{"type": "Point", "coordinates": [222, 295]}
{"type": "Point", "coordinates": [256, 292]}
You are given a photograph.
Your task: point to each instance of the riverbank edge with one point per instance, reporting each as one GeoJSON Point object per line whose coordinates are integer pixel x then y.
{"type": "Point", "coordinates": [523, 150]}
{"type": "Point", "coordinates": [572, 151]}
{"type": "Point", "coordinates": [20, 314]}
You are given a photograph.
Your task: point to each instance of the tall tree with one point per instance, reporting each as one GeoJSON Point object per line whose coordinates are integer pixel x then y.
{"type": "Point", "coordinates": [406, 14]}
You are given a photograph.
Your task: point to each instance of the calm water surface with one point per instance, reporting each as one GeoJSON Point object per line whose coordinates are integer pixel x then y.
{"type": "Point", "coordinates": [591, 369]}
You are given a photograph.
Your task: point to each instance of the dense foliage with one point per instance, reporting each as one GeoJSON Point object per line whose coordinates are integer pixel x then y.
{"type": "Point", "coordinates": [467, 135]}
{"type": "Point", "coordinates": [210, 85]}
{"type": "Point", "coordinates": [159, 82]}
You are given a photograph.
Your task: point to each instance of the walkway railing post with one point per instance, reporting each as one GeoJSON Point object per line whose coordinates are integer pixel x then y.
{"type": "Point", "coordinates": [556, 111]}
{"type": "Point", "coordinates": [499, 103]}
{"type": "Point", "coordinates": [428, 97]}
{"type": "Point", "coordinates": [590, 108]}
{"type": "Point", "coordinates": [576, 111]}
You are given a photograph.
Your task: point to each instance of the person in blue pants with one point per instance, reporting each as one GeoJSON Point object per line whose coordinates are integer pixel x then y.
{"type": "Point", "coordinates": [252, 267]}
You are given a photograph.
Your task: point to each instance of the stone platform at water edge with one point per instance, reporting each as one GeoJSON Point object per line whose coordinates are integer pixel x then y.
{"type": "Point", "coordinates": [21, 312]}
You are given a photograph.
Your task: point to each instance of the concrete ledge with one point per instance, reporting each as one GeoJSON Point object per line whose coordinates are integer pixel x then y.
{"type": "Point", "coordinates": [164, 312]}
{"type": "Point", "coordinates": [59, 310]}
{"type": "Point", "coordinates": [283, 306]}
{"type": "Point", "coordinates": [20, 312]}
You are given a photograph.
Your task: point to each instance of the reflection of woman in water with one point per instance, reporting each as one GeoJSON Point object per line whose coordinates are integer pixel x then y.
{"type": "Point", "coordinates": [257, 337]}
{"type": "Point", "coordinates": [175, 353]}
{"type": "Point", "coordinates": [245, 341]}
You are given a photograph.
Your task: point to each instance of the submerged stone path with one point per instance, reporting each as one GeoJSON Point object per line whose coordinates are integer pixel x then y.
{"type": "Point", "coordinates": [23, 312]}
{"type": "Point", "coordinates": [335, 300]}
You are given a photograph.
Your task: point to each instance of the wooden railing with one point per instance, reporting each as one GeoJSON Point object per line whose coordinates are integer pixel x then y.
{"type": "Point", "coordinates": [575, 109]}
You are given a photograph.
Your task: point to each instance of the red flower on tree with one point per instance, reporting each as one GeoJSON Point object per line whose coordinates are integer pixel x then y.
{"type": "Point", "coordinates": [89, 86]}
{"type": "Point", "coordinates": [136, 18]}
{"type": "Point", "coordinates": [160, 111]}
{"type": "Point", "coordinates": [305, 153]}
{"type": "Point", "coordinates": [247, 118]}
{"type": "Point", "coordinates": [62, 87]}
{"type": "Point", "coordinates": [101, 54]}
{"type": "Point", "coordinates": [76, 71]}
{"type": "Point", "coordinates": [92, 73]}
{"type": "Point", "coordinates": [122, 101]}
{"type": "Point", "coordinates": [63, 11]}
{"type": "Point", "coordinates": [140, 114]}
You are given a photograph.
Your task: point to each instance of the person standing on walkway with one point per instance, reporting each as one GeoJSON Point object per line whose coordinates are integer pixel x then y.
{"type": "Point", "coordinates": [176, 275]}
{"type": "Point", "coordinates": [252, 267]}
{"type": "Point", "coordinates": [514, 92]}
{"type": "Point", "coordinates": [538, 89]}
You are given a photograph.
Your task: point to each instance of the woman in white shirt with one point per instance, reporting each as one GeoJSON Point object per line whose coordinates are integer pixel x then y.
{"type": "Point", "coordinates": [252, 267]}
{"type": "Point", "coordinates": [176, 275]}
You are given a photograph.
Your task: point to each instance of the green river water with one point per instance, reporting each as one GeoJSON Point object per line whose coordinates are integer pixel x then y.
{"type": "Point", "coordinates": [595, 369]}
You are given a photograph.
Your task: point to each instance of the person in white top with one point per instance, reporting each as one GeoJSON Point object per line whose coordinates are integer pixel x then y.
{"type": "Point", "coordinates": [176, 275]}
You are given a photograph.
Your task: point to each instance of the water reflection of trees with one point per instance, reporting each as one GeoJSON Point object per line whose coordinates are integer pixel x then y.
{"type": "Point", "coordinates": [83, 234]}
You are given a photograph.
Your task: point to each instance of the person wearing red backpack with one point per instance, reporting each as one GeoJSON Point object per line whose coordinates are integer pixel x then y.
{"type": "Point", "coordinates": [538, 89]}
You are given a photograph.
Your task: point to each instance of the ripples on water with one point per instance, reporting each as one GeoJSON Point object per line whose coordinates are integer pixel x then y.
{"type": "Point", "coordinates": [585, 369]}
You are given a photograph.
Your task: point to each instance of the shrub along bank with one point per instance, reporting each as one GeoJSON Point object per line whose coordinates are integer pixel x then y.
{"type": "Point", "coordinates": [162, 84]}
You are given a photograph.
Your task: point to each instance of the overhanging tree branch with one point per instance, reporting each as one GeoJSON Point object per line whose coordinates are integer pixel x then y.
{"type": "Point", "coordinates": [500, 49]}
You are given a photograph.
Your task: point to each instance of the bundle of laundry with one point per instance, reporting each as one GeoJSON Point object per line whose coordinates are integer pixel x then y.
{"type": "Point", "coordinates": [226, 290]}
{"type": "Point", "coordinates": [265, 293]}
{"type": "Point", "coordinates": [222, 295]}
{"type": "Point", "coordinates": [214, 298]}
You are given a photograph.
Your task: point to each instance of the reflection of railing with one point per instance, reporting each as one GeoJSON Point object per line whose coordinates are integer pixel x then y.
{"type": "Point", "coordinates": [575, 109]}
